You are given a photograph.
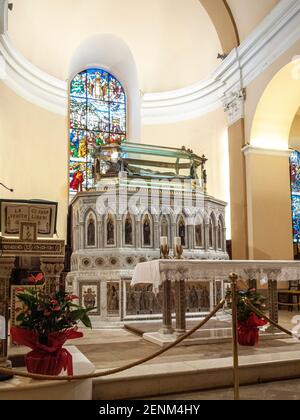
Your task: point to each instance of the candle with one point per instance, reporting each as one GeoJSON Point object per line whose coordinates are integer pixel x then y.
{"type": "Point", "coordinates": [164, 240]}
{"type": "Point", "coordinates": [177, 241]}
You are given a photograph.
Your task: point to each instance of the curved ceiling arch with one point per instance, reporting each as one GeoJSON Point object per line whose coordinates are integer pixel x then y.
{"type": "Point", "coordinates": [224, 23]}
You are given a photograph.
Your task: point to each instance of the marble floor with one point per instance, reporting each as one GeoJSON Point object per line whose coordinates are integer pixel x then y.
{"type": "Point", "coordinates": [112, 348]}
{"type": "Point", "coordinates": [272, 391]}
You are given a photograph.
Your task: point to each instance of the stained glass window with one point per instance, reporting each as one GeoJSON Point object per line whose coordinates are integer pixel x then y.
{"type": "Point", "coordinates": [97, 116]}
{"type": "Point", "coordinates": [295, 191]}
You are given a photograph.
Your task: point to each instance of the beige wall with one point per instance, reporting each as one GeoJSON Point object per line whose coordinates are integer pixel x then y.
{"type": "Point", "coordinates": [294, 140]}
{"type": "Point", "coordinates": [33, 153]}
{"type": "Point", "coordinates": [269, 207]}
{"type": "Point", "coordinates": [208, 135]}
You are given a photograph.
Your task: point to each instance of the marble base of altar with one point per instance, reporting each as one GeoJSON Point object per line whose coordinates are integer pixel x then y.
{"type": "Point", "coordinates": [207, 336]}
{"type": "Point", "coordinates": [19, 388]}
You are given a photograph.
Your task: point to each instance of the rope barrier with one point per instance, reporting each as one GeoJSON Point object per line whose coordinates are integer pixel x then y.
{"type": "Point", "coordinates": [122, 368]}
{"type": "Point", "coordinates": [262, 315]}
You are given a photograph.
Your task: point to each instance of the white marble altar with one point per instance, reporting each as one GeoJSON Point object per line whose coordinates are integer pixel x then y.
{"type": "Point", "coordinates": [163, 273]}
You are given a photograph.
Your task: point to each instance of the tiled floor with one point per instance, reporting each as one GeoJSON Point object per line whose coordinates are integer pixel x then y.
{"type": "Point", "coordinates": [116, 347]}
{"type": "Point", "coordinates": [281, 390]}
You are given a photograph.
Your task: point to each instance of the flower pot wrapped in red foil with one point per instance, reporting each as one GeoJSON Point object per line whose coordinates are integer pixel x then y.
{"type": "Point", "coordinates": [50, 358]}
{"type": "Point", "coordinates": [248, 331]}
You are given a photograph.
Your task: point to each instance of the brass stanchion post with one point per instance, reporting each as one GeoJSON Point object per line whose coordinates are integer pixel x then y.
{"type": "Point", "coordinates": [233, 278]}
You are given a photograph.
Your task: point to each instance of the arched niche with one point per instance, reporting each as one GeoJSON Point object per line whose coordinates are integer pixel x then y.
{"type": "Point", "coordinates": [165, 227]}
{"type": "Point", "coordinates": [182, 230]}
{"type": "Point", "coordinates": [199, 232]}
{"type": "Point", "coordinates": [147, 230]}
{"type": "Point", "coordinates": [129, 239]}
{"type": "Point", "coordinates": [212, 232]}
{"type": "Point", "coordinates": [110, 230]}
{"type": "Point", "coordinates": [90, 230]}
{"type": "Point", "coordinates": [220, 234]}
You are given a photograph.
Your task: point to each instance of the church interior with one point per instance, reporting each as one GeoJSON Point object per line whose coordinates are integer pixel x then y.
{"type": "Point", "coordinates": [149, 199]}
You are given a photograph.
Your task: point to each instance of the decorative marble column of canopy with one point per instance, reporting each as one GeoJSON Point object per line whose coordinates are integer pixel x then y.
{"type": "Point", "coordinates": [52, 269]}
{"type": "Point", "coordinates": [251, 275]}
{"type": "Point", "coordinates": [234, 107]}
{"type": "Point", "coordinates": [273, 296]}
{"type": "Point", "coordinates": [206, 235]}
{"type": "Point", "coordinates": [6, 266]}
{"type": "Point", "coordinates": [119, 231]}
{"type": "Point", "coordinates": [166, 327]}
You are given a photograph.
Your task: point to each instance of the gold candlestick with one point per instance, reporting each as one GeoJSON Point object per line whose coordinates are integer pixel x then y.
{"type": "Point", "coordinates": [178, 249]}
{"type": "Point", "coordinates": [164, 248]}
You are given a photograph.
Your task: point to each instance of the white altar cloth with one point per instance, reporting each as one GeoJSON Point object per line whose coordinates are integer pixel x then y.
{"type": "Point", "coordinates": [154, 272]}
{"type": "Point", "coordinates": [19, 388]}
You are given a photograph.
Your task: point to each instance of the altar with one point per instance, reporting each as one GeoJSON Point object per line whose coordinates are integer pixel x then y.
{"type": "Point", "coordinates": [168, 274]}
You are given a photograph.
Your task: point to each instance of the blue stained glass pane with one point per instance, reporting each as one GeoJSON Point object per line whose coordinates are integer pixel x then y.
{"type": "Point", "coordinates": [117, 118]}
{"type": "Point", "coordinates": [97, 116]}
{"type": "Point", "coordinates": [78, 144]}
{"type": "Point", "coordinates": [78, 113]}
{"type": "Point", "coordinates": [295, 171]}
{"type": "Point", "coordinates": [295, 191]}
{"type": "Point", "coordinates": [78, 85]}
{"type": "Point", "coordinates": [116, 91]}
{"type": "Point", "coordinates": [296, 217]}
{"type": "Point", "coordinates": [97, 85]}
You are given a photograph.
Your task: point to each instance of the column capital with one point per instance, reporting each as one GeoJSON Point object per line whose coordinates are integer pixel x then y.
{"type": "Point", "coordinates": [52, 266]}
{"type": "Point", "coordinates": [6, 265]}
{"type": "Point", "coordinates": [252, 150]}
{"type": "Point", "coordinates": [234, 105]}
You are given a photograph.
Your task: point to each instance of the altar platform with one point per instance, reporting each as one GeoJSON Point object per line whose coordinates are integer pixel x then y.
{"type": "Point", "coordinates": [182, 369]}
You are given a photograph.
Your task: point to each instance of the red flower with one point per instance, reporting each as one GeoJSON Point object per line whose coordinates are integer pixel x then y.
{"type": "Point", "coordinates": [47, 313]}
{"type": "Point", "coordinates": [36, 279]}
{"type": "Point", "coordinates": [57, 309]}
{"type": "Point", "coordinates": [71, 297]}
{"type": "Point", "coordinates": [20, 289]}
{"type": "Point", "coordinates": [54, 302]}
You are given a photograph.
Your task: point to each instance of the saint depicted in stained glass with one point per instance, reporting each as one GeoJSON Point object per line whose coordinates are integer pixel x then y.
{"type": "Point", "coordinates": [97, 116]}
{"type": "Point", "coordinates": [295, 192]}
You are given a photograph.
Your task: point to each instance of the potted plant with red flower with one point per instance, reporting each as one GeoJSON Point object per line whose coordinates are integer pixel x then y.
{"type": "Point", "coordinates": [45, 323]}
{"type": "Point", "coordinates": [248, 321]}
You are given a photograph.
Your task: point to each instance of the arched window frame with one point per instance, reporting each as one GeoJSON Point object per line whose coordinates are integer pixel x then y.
{"type": "Point", "coordinates": [84, 133]}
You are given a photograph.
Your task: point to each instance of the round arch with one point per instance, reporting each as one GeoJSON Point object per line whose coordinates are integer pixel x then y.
{"type": "Point", "coordinates": [276, 109]}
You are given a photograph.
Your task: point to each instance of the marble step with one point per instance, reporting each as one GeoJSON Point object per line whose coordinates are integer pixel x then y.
{"type": "Point", "coordinates": [174, 377]}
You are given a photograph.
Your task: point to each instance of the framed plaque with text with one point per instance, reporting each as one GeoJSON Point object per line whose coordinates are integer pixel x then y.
{"type": "Point", "coordinates": [18, 218]}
